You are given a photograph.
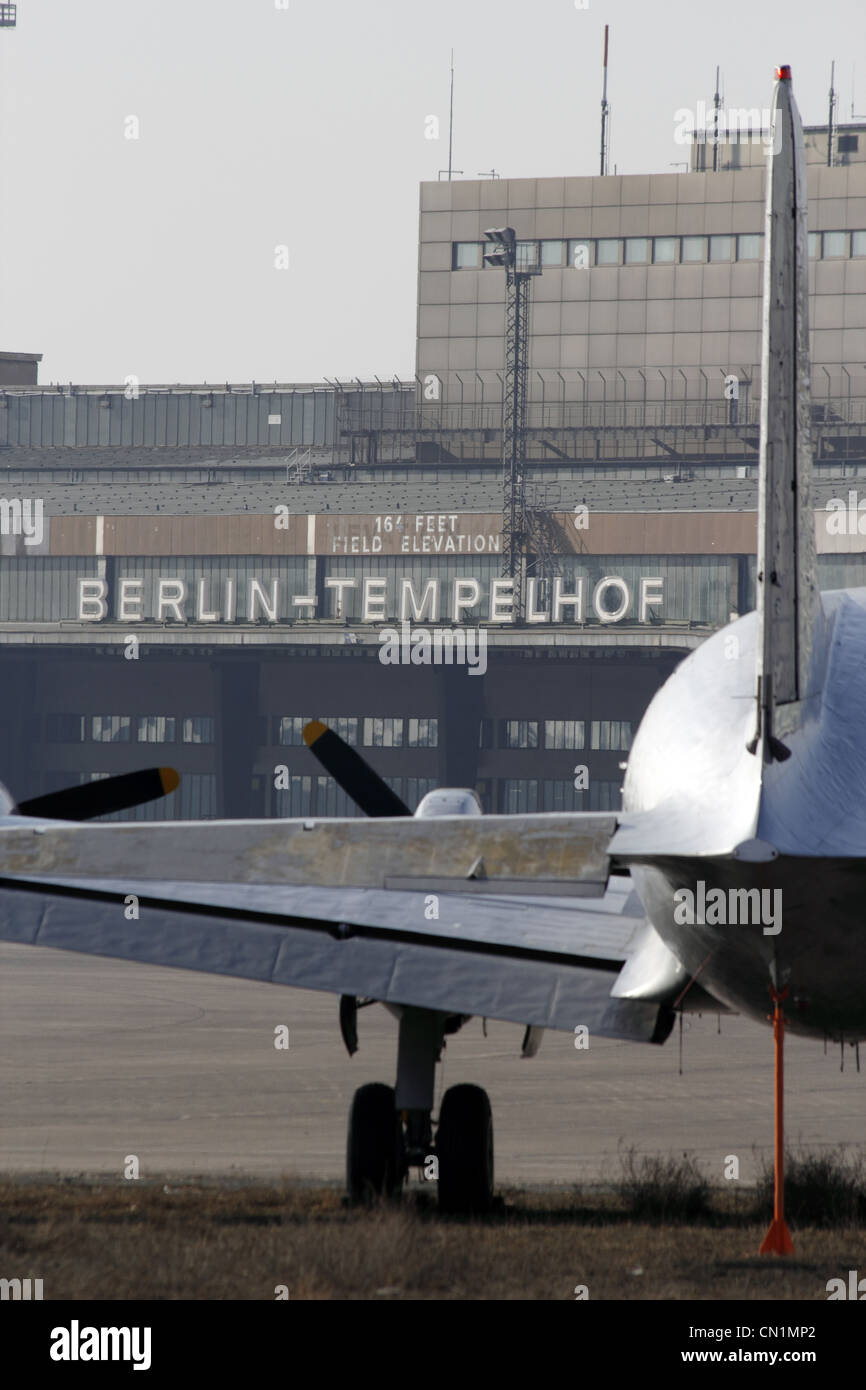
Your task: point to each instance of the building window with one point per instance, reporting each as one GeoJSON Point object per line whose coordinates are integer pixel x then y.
{"type": "Point", "coordinates": [519, 733]}
{"type": "Point", "coordinates": [604, 796]}
{"type": "Point", "coordinates": [162, 808]}
{"type": "Point", "coordinates": [466, 255]}
{"type": "Point", "coordinates": [858, 243]}
{"type": "Point", "coordinates": [347, 729]}
{"type": "Point", "coordinates": [411, 789]}
{"type": "Point", "coordinates": [296, 799]}
{"type": "Point", "coordinates": [721, 248]}
{"type": "Point", "coordinates": [552, 252]}
{"type": "Point", "coordinates": [331, 800]}
{"type": "Point", "coordinates": [814, 246]}
{"type": "Point", "coordinates": [636, 250]}
{"type": "Point", "coordinates": [526, 254]}
{"type": "Point", "coordinates": [692, 248]}
{"type": "Point", "coordinates": [383, 733]}
{"type": "Point", "coordinates": [557, 794]}
{"type": "Point", "coordinates": [111, 728]}
{"type": "Point", "coordinates": [291, 731]}
{"type": "Point", "coordinates": [610, 734]}
{"type": "Point", "coordinates": [847, 144]}
{"type": "Point", "coordinates": [65, 728]}
{"type": "Point", "coordinates": [664, 250]}
{"type": "Point", "coordinates": [563, 733]}
{"type": "Point", "coordinates": [198, 728]}
{"type": "Point", "coordinates": [607, 251]}
{"type": "Point", "coordinates": [750, 247]}
{"type": "Point", "coordinates": [423, 733]}
{"type": "Point", "coordinates": [518, 794]}
{"type": "Point", "coordinates": [197, 796]}
{"type": "Point", "coordinates": [155, 728]}
{"type": "Point", "coordinates": [835, 244]}
{"type": "Point", "coordinates": [580, 254]}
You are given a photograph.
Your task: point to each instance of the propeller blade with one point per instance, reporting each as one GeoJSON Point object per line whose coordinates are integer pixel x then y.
{"type": "Point", "coordinates": [352, 773]}
{"type": "Point", "coordinates": [103, 797]}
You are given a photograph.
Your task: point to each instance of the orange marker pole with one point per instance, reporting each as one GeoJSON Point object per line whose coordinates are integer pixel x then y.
{"type": "Point", "coordinates": [778, 1241]}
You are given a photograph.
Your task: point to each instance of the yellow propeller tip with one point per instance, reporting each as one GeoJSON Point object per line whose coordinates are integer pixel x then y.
{"type": "Point", "coordinates": [169, 779]}
{"type": "Point", "coordinates": [314, 730]}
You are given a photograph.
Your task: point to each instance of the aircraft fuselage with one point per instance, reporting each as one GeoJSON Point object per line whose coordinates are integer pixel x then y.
{"type": "Point", "coordinates": [762, 879]}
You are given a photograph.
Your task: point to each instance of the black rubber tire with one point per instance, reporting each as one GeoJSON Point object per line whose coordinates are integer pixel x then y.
{"type": "Point", "coordinates": [374, 1148]}
{"type": "Point", "coordinates": [464, 1148]}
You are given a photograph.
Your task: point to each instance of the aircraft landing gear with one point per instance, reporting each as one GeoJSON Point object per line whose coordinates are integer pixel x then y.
{"type": "Point", "coordinates": [374, 1151]}
{"type": "Point", "coordinates": [390, 1129]}
{"type": "Point", "coordinates": [464, 1147]}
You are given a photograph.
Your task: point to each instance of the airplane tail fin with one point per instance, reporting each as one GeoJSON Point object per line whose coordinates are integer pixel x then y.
{"type": "Point", "coordinates": [788, 598]}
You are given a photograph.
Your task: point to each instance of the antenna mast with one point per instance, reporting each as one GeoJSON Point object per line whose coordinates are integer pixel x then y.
{"type": "Point", "coordinates": [451, 118]}
{"type": "Point", "coordinates": [604, 110]}
{"type": "Point", "coordinates": [830, 116]}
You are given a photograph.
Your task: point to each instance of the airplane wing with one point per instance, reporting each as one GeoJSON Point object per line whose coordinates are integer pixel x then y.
{"type": "Point", "coordinates": [509, 917]}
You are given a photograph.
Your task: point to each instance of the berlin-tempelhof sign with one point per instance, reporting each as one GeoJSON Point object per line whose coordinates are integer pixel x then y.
{"type": "Point", "coordinates": [164, 598]}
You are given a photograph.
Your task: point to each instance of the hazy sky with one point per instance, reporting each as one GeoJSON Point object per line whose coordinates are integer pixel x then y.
{"type": "Point", "coordinates": [302, 124]}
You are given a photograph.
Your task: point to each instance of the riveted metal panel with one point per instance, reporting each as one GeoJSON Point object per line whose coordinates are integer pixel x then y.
{"type": "Point", "coordinates": [171, 421]}
{"type": "Point", "coordinates": [44, 591]}
{"type": "Point", "coordinates": [72, 535]}
{"type": "Point", "coordinates": [206, 417]}
{"type": "Point", "coordinates": [252, 535]}
{"type": "Point", "coordinates": [661, 533]}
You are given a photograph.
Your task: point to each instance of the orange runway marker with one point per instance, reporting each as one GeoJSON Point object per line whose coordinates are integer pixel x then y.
{"type": "Point", "coordinates": [778, 1241]}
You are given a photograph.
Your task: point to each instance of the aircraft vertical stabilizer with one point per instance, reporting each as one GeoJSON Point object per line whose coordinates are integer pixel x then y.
{"type": "Point", "coordinates": [788, 600]}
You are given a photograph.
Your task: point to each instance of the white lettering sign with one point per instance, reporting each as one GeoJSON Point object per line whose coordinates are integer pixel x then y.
{"type": "Point", "coordinates": [380, 599]}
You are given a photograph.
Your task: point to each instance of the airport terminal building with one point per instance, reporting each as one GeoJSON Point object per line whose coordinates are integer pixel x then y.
{"type": "Point", "coordinates": [190, 573]}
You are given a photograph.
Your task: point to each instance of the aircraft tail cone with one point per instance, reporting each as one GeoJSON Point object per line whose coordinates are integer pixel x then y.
{"type": "Point", "coordinates": [777, 1241]}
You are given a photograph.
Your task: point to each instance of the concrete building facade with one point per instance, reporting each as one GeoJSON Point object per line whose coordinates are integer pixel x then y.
{"type": "Point", "coordinates": [650, 291]}
{"type": "Point", "coordinates": [190, 573]}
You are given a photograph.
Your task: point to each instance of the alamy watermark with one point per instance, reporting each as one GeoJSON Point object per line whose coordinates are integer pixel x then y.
{"type": "Point", "coordinates": [438, 646]}
{"type": "Point", "coordinates": [855, 1289]}
{"type": "Point", "coordinates": [19, 1290]}
{"type": "Point", "coordinates": [846, 518]}
{"type": "Point", "coordinates": [736, 907]}
{"type": "Point", "coordinates": [23, 516]}
{"type": "Point", "coordinates": [736, 124]}
{"type": "Point", "coordinates": [77, 1343]}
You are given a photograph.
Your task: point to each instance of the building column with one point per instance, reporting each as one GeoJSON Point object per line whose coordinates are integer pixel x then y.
{"type": "Point", "coordinates": [462, 701]}
{"type": "Point", "coordinates": [22, 749]}
{"type": "Point", "coordinates": [238, 707]}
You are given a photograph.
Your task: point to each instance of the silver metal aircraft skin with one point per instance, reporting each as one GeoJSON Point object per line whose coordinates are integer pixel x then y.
{"type": "Point", "coordinates": [793, 829]}
{"type": "Point", "coordinates": [751, 762]}
{"type": "Point", "coordinates": [748, 773]}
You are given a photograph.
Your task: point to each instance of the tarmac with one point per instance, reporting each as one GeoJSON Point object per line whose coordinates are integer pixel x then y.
{"type": "Point", "coordinates": [101, 1060]}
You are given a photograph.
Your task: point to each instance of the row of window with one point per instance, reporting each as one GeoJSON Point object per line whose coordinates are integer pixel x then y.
{"type": "Point", "coordinates": [604, 734]}
{"type": "Point", "coordinates": [128, 728]}
{"type": "Point", "coordinates": [288, 731]}
{"type": "Point", "coordinates": [376, 732]}
{"type": "Point", "coordinates": [319, 796]}
{"type": "Point", "coordinates": [383, 731]}
{"type": "Point", "coordinates": [656, 250]}
{"type": "Point", "coordinates": [521, 794]}
{"type": "Point", "coordinates": [388, 732]}
{"type": "Point", "coordinates": [194, 799]}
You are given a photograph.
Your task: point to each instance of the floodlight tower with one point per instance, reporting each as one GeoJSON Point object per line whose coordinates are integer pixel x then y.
{"type": "Point", "coordinates": [518, 283]}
